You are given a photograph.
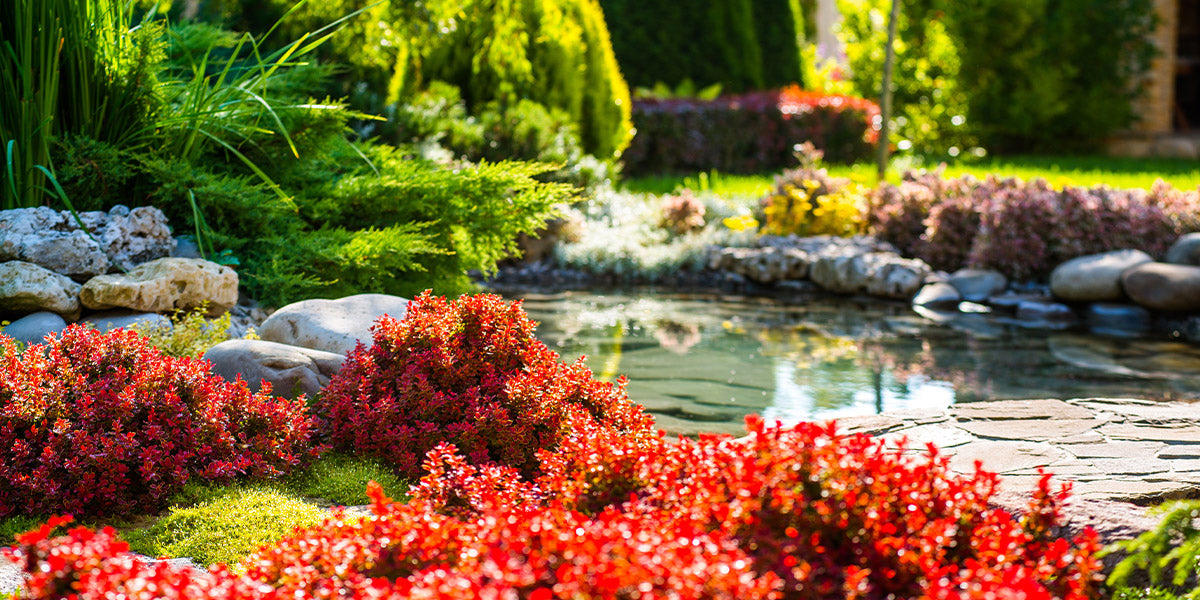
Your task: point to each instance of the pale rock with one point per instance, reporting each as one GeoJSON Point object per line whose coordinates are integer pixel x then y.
{"type": "Point", "coordinates": [1096, 277]}
{"type": "Point", "coordinates": [291, 370]}
{"type": "Point", "coordinates": [331, 325]}
{"type": "Point", "coordinates": [26, 288]}
{"type": "Point", "coordinates": [165, 284]}
{"type": "Point", "coordinates": [937, 294]}
{"type": "Point", "coordinates": [120, 238]}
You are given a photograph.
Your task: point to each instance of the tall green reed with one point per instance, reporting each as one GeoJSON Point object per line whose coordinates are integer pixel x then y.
{"type": "Point", "coordinates": [70, 67]}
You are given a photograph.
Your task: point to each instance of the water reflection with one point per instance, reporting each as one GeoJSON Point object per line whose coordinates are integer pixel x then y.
{"type": "Point", "coordinates": [702, 364]}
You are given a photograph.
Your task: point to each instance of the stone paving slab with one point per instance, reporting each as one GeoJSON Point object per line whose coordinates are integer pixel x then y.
{"type": "Point", "coordinates": [1112, 449]}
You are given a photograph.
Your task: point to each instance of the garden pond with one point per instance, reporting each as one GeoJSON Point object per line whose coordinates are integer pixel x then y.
{"type": "Point", "coordinates": [700, 363]}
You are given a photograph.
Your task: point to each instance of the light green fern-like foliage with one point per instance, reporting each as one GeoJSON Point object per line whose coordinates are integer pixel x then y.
{"type": "Point", "coordinates": [190, 333]}
{"type": "Point", "coordinates": [1168, 554]}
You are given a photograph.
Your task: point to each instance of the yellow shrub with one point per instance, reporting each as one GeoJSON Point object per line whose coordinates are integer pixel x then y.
{"type": "Point", "coordinates": [816, 205]}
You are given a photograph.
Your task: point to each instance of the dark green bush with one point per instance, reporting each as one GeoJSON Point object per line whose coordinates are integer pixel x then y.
{"type": "Point", "coordinates": [741, 44]}
{"type": "Point", "coordinates": [1009, 76]}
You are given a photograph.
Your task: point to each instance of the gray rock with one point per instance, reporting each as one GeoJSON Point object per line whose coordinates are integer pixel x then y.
{"type": "Point", "coordinates": [1119, 319]}
{"type": "Point", "coordinates": [30, 329]}
{"type": "Point", "coordinates": [291, 370]}
{"type": "Point", "coordinates": [1095, 278]}
{"type": "Point", "coordinates": [1163, 286]}
{"type": "Point", "coordinates": [331, 325]}
{"type": "Point", "coordinates": [1185, 250]}
{"type": "Point", "coordinates": [977, 285]}
{"type": "Point", "coordinates": [186, 247]}
{"type": "Point", "coordinates": [1009, 302]}
{"type": "Point", "coordinates": [26, 288]}
{"type": "Point", "coordinates": [122, 319]}
{"type": "Point", "coordinates": [163, 285]}
{"type": "Point", "coordinates": [937, 294]}
{"type": "Point", "coordinates": [54, 240]}
{"type": "Point", "coordinates": [1044, 312]}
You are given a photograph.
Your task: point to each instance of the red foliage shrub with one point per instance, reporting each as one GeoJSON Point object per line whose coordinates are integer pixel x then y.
{"type": "Point", "coordinates": [92, 565]}
{"type": "Point", "coordinates": [94, 423]}
{"type": "Point", "coordinates": [832, 516]}
{"type": "Point", "coordinates": [748, 133]}
{"type": "Point", "coordinates": [784, 513]}
{"type": "Point", "coordinates": [467, 372]}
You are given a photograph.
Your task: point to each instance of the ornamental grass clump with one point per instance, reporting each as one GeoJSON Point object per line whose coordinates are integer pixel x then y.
{"type": "Point", "coordinates": [467, 372]}
{"type": "Point", "coordinates": [103, 423]}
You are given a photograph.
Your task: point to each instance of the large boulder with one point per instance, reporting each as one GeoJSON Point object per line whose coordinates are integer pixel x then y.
{"type": "Point", "coordinates": [1163, 286]}
{"type": "Point", "coordinates": [331, 325]}
{"type": "Point", "coordinates": [938, 293]}
{"type": "Point", "coordinates": [26, 288]}
{"type": "Point", "coordinates": [291, 370]}
{"type": "Point", "coordinates": [30, 329]}
{"type": "Point", "coordinates": [165, 284]}
{"type": "Point", "coordinates": [1185, 250]}
{"type": "Point", "coordinates": [1096, 277]}
{"type": "Point", "coordinates": [120, 238]}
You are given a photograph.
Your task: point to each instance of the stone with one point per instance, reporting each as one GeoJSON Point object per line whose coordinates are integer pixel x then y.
{"type": "Point", "coordinates": [1176, 147]}
{"type": "Point", "coordinates": [12, 578]}
{"type": "Point", "coordinates": [1117, 319]}
{"type": "Point", "coordinates": [290, 370]}
{"type": "Point", "coordinates": [30, 329]}
{"type": "Point", "coordinates": [1005, 456]}
{"type": "Point", "coordinates": [186, 247]}
{"type": "Point", "coordinates": [331, 325]}
{"type": "Point", "coordinates": [942, 436]}
{"type": "Point", "coordinates": [1011, 301]}
{"type": "Point", "coordinates": [133, 237]}
{"type": "Point", "coordinates": [1163, 286]}
{"type": "Point", "coordinates": [1033, 430]}
{"type": "Point", "coordinates": [869, 424]}
{"type": "Point", "coordinates": [1185, 250]}
{"type": "Point", "coordinates": [26, 288]}
{"type": "Point", "coordinates": [977, 285]}
{"type": "Point", "coordinates": [165, 284]}
{"type": "Point", "coordinates": [1180, 434]}
{"type": "Point", "coordinates": [1117, 450]}
{"type": "Point", "coordinates": [1113, 521]}
{"type": "Point", "coordinates": [1020, 409]}
{"type": "Point", "coordinates": [120, 238]}
{"type": "Point", "coordinates": [1096, 277]}
{"type": "Point", "coordinates": [1033, 313]}
{"type": "Point", "coordinates": [876, 273]}
{"type": "Point", "coordinates": [123, 319]}
{"type": "Point", "coordinates": [937, 294]}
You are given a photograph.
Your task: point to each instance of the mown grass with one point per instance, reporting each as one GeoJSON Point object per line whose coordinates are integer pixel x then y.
{"type": "Point", "coordinates": [1058, 170]}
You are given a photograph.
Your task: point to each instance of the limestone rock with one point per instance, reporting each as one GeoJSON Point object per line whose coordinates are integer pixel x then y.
{"type": "Point", "coordinates": [163, 285]}
{"type": "Point", "coordinates": [30, 329]}
{"type": "Point", "coordinates": [977, 285]}
{"type": "Point", "coordinates": [876, 273]}
{"type": "Point", "coordinates": [331, 325]}
{"type": "Point", "coordinates": [26, 287]}
{"type": "Point", "coordinates": [54, 240]}
{"type": "Point", "coordinates": [1162, 286]}
{"type": "Point", "coordinates": [1185, 250]}
{"type": "Point", "coordinates": [1096, 277]}
{"type": "Point", "coordinates": [291, 370]}
{"type": "Point", "coordinates": [937, 294]}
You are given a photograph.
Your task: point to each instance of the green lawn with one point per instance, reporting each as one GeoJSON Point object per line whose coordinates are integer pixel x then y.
{"type": "Point", "coordinates": [1058, 170]}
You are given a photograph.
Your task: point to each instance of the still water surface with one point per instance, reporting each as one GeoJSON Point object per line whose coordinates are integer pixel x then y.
{"type": "Point", "coordinates": [702, 363]}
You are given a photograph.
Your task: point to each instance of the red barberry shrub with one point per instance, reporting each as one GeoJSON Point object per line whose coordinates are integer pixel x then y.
{"type": "Point", "coordinates": [832, 516]}
{"type": "Point", "coordinates": [95, 565]}
{"type": "Point", "coordinates": [94, 423]}
{"type": "Point", "coordinates": [521, 551]}
{"type": "Point", "coordinates": [467, 372]}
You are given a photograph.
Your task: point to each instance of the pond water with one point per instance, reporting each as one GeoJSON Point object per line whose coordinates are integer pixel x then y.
{"type": "Point", "coordinates": [701, 363]}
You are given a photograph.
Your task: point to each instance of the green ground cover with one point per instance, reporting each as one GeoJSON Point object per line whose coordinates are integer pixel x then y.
{"type": "Point", "coordinates": [1058, 170]}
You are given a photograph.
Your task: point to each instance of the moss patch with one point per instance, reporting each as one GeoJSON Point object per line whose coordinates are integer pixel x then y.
{"type": "Point", "coordinates": [227, 526]}
{"type": "Point", "coordinates": [342, 479]}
